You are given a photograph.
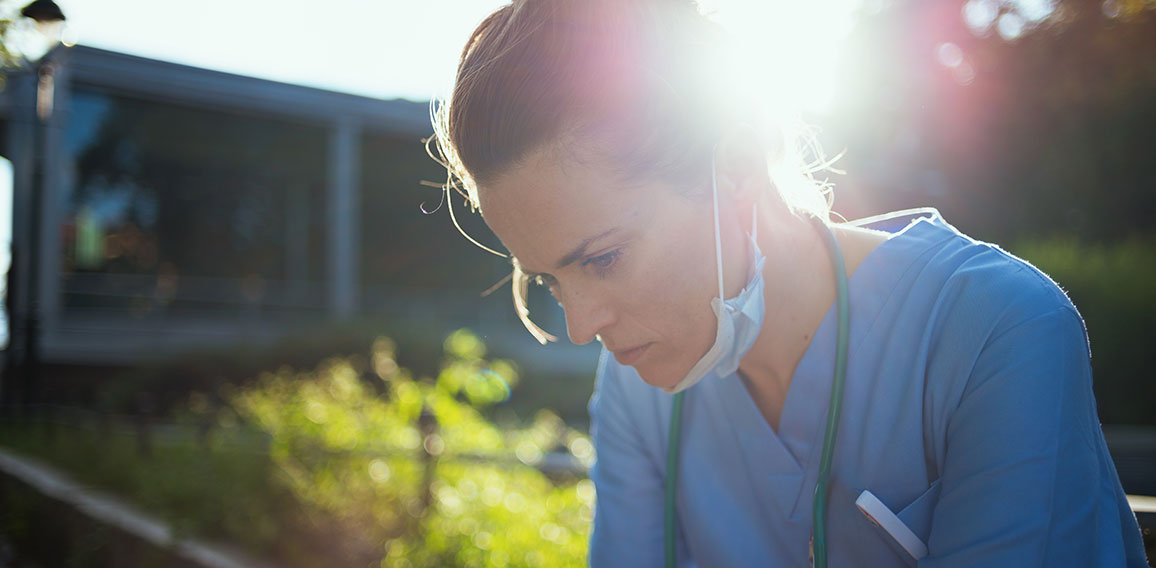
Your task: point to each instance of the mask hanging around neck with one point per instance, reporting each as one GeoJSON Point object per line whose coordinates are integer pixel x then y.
{"type": "Point", "coordinates": [740, 318]}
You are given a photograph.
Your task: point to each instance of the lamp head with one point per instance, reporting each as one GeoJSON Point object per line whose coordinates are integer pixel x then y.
{"type": "Point", "coordinates": [43, 12]}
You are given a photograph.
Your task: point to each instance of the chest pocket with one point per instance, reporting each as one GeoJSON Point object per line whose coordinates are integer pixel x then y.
{"type": "Point", "coordinates": [854, 540]}
{"type": "Point", "coordinates": [916, 516]}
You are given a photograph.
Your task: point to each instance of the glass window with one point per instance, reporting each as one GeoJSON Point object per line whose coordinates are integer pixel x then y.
{"type": "Point", "coordinates": [175, 210]}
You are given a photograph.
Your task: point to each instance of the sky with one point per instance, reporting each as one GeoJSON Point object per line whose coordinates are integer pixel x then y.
{"type": "Point", "coordinates": [407, 49]}
{"type": "Point", "coordinates": [379, 48]}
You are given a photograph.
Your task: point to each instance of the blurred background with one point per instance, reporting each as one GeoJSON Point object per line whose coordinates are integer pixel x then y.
{"type": "Point", "coordinates": [237, 308]}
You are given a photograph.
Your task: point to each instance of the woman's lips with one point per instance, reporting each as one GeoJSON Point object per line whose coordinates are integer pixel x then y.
{"type": "Point", "coordinates": [631, 356]}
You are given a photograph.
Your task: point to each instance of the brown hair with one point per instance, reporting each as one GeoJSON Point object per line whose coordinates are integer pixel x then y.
{"type": "Point", "coordinates": [644, 80]}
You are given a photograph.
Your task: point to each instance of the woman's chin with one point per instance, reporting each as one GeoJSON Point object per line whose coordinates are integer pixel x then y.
{"type": "Point", "coordinates": [657, 376]}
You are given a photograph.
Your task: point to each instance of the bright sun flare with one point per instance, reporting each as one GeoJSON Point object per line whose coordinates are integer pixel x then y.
{"type": "Point", "coordinates": [792, 47]}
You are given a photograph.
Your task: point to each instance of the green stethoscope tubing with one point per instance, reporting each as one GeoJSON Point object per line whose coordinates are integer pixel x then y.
{"type": "Point", "coordinates": [819, 513]}
{"type": "Point", "coordinates": [671, 520]}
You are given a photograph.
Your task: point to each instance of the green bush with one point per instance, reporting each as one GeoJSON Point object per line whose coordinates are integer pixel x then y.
{"type": "Point", "coordinates": [1112, 287]}
{"type": "Point", "coordinates": [354, 463]}
{"type": "Point", "coordinates": [471, 498]}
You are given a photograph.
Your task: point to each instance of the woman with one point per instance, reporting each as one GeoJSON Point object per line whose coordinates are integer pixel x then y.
{"type": "Point", "coordinates": [592, 136]}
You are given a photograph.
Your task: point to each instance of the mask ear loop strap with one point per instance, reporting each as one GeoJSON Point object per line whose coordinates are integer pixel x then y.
{"type": "Point", "coordinates": [755, 222]}
{"type": "Point", "coordinates": [717, 233]}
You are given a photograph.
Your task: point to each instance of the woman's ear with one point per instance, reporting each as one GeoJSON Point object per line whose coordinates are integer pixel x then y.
{"type": "Point", "coordinates": [741, 166]}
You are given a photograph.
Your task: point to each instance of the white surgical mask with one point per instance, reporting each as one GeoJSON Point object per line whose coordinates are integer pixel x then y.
{"type": "Point", "coordinates": [739, 319]}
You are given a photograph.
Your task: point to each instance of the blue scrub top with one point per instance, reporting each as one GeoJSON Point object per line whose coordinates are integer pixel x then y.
{"type": "Point", "coordinates": [968, 411]}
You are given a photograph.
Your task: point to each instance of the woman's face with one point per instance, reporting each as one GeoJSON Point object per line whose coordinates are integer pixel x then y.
{"type": "Point", "coordinates": [632, 266]}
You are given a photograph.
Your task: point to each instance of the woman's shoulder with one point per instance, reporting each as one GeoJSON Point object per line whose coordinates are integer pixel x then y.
{"type": "Point", "coordinates": [959, 273]}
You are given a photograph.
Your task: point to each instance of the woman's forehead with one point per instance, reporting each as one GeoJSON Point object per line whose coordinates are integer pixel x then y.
{"type": "Point", "coordinates": [544, 206]}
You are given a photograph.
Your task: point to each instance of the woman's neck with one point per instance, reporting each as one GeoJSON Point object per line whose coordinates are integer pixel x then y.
{"type": "Point", "coordinates": [799, 290]}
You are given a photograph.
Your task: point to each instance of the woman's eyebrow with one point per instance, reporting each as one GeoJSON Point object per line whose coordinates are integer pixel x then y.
{"type": "Point", "coordinates": [580, 250]}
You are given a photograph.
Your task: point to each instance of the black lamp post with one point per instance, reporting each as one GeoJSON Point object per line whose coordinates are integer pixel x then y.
{"type": "Point", "coordinates": [24, 322]}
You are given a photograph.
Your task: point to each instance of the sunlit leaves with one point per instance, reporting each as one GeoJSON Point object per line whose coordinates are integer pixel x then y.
{"type": "Point", "coordinates": [359, 456]}
{"type": "Point", "coordinates": [463, 344]}
{"type": "Point", "coordinates": [465, 371]}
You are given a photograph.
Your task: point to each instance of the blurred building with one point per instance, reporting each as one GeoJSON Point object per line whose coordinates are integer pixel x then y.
{"type": "Point", "coordinates": [159, 207]}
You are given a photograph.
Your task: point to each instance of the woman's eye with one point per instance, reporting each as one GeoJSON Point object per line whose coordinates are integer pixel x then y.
{"type": "Point", "coordinates": [602, 262]}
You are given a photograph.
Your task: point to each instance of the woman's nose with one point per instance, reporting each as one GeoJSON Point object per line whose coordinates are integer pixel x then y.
{"type": "Point", "coordinates": [586, 316]}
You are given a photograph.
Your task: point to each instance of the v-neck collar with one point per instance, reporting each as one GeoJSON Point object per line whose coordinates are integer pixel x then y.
{"type": "Point", "coordinates": [784, 462]}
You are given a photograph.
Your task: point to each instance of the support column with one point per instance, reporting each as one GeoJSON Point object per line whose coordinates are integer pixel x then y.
{"type": "Point", "coordinates": [343, 218]}
{"type": "Point", "coordinates": [57, 180]}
